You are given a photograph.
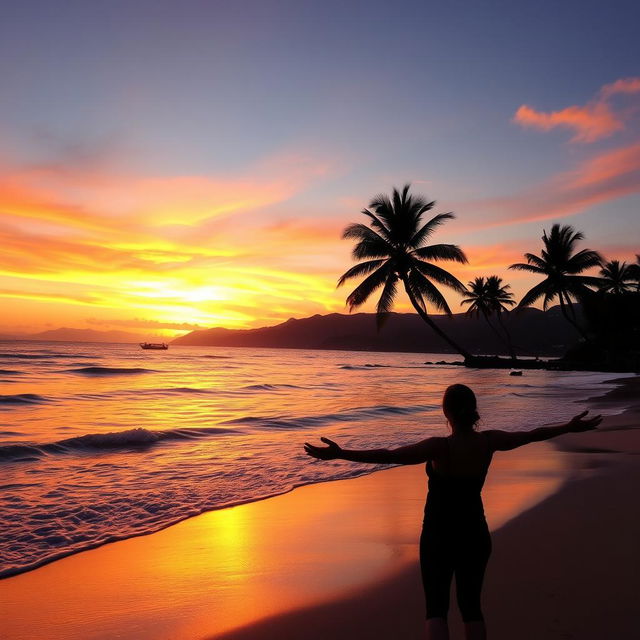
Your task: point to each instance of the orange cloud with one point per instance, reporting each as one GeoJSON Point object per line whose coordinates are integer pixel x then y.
{"type": "Point", "coordinates": [170, 249]}
{"type": "Point", "coordinates": [590, 122]}
{"type": "Point", "coordinates": [606, 176]}
{"type": "Point", "coordinates": [99, 200]}
{"type": "Point", "coordinates": [614, 171]}
{"type": "Point", "coordinates": [624, 85]}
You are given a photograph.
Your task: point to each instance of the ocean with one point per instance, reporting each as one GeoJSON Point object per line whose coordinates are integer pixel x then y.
{"type": "Point", "coordinates": [100, 442]}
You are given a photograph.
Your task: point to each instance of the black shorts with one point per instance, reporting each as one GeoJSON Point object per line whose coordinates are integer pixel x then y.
{"type": "Point", "coordinates": [460, 549]}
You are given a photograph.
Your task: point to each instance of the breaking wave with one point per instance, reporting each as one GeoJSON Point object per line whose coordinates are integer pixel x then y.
{"type": "Point", "coordinates": [131, 438]}
{"type": "Point", "coordinates": [110, 371]}
{"type": "Point", "coordinates": [22, 399]}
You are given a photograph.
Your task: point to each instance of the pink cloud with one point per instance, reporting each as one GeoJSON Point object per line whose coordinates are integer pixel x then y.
{"type": "Point", "coordinates": [590, 123]}
{"type": "Point", "coordinates": [99, 200]}
{"type": "Point", "coordinates": [624, 85]}
{"type": "Point", "coordinates": [605, 176]}
{"type": "Point", "coordinates": [593, 121]}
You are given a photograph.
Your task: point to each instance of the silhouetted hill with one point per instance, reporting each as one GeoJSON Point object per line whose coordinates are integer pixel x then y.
{"type": "Point", "coordinates": [533, 332]}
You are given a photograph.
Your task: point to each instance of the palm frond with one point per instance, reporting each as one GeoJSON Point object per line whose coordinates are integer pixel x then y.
{"type": "Point", "coordinates": [535, 293]}
{"type": "Point", "coordinates": [585, 259]}
{"type": "Point", "coordinates": [536, 261]}
{"type": "Point", "coordinates": [358, 270]}
{"type": "Point", "coordinates": [428, 290]}
{"type": "Point", "coordinates": [359, 231]}
{"type": "Point", "coordinates": [521, 266]}
{"type": "Point", "coordinates": [370, 245]}
{"type": "Point", "coordinates": [378, 225]}
{"type": "Point", "coordinates": [383, 208]}
{"type": "Point", "coordinates": [364, 290]}
{"type": "Point", "coordinates": [385, 303]}
{"type": "Point", "coordinates": [584, 281]}
{"type": "Point", "coordinates": [441, 252]}
{"type": "Point", "coordinates": [438, 274]}
{"type": "Point", "coordinates": [426, 231]}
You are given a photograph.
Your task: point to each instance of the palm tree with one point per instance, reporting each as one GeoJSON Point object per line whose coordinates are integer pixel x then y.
{"type": "Point", "coordinates": [487, 297]}
{"type": "Point", "coordinates": [634, 270]}
{"type": "Point", "coordinates": [617, 278]}
{"type": "Point", "coordinates": [392, 250]}
{"type": "Point", "coordinates": [561, 268]}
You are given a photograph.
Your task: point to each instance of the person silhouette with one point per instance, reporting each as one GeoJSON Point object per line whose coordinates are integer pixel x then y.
{"type": "Point", "coordinates": [455, 539]}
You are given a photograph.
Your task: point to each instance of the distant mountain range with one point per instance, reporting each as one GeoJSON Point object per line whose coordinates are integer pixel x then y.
{"type": "Point", "coordinates": [65, 334]}
{"type": "Point", "coordinates": [533, 332]}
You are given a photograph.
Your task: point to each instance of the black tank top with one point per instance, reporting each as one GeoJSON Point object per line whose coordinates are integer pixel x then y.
{"type": "Point", "coordinates": [455, 500]}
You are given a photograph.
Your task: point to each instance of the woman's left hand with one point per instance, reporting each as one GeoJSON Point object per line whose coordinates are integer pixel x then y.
{"type": "Point", "coordinates": [584, 422]}
{"type": "Point", "coordinates": [330, 452]}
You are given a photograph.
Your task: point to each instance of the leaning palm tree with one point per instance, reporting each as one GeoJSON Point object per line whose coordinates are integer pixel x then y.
{"type": "Point", "coordinates": [392, 249]}
{"type": "Point", "coordinates": [561, 268]}
{"type": "Point", "coordinates": [487, 297]}
{"type": "Point", "coordinates": [617, 278]}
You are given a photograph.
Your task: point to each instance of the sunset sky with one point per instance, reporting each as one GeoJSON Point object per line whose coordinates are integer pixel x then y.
{"type": "Point", "coordinates": [169, 165]}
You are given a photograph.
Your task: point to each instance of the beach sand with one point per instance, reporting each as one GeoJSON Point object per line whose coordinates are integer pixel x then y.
{"type": "Point", "coordinates": [339, 559]}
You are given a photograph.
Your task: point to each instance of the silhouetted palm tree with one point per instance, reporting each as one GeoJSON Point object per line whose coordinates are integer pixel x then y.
{"type": "Point", "coordinates": [617, 277]}
{"type": "Point", "coordinates": [634, 269]}
{"type": "Point", "coordinates": [487, 297]}
{"type": "Point", "coordinates": [393, 250]}
{"type": "Point", "coordinates": [561, 268]}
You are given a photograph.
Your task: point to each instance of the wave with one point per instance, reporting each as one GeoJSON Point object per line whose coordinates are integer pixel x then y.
{"type": "Point", "coordinates": [23, 398]}
{"type": "Point", "coordinates": [160, 391]}
{"type": "Point", "coordinates": [352, 415]}
{"type": "Point", "coordinates": [42, 356]}
{"type": "Point", "coordinates": [269, 387]}
{"type": "Point", "coordinates": [364, 367]}
{"type": "Point", "coordinates": [131, 438]}
{"type": "Point", "coordinates": [10, 372]}
{"type": "Point", "coordinates": [109, 371]}
{"type": "Point", "coordinates": [61, 546]}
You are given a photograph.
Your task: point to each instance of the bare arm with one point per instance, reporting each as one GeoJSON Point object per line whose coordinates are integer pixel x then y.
{"type": "Point", "coordinates": [506, 440]}
{"type": "Point", "coordinates": [409, 454]}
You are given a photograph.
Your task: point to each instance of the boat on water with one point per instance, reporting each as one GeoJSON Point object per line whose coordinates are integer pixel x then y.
{"type": "Point", "coordinates": [160, 346]}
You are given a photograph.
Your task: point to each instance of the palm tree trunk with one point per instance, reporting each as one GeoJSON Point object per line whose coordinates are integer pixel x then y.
{"type": "Point", "coordinates": [425, 316]}
{"type": "Point", "coordinates": [510, 348]}
{"type": "Point", "coordinates": [563, 308]}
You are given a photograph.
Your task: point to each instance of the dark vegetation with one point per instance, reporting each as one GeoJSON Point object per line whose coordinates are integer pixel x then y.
{"type": "Point", "coordinates": [392, 249]}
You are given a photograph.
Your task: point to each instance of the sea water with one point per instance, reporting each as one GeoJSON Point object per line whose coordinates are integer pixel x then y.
{"type": "Point", "coordinates": [100, 442]}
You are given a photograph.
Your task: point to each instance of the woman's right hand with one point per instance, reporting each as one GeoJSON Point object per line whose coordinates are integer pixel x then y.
{"type": "Point", "coordinates": [330, 452]}
{"type": "Point", "coordinates": [582, 423]}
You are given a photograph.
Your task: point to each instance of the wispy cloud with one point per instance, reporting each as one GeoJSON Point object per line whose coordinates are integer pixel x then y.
{"type": "Point", "coordinates": [100, 200]}
{"type": "Point", "coordinates": [590, 122]}
{"type": "Point", "coordinates": [168, 248]}
{"type": "Point", "coordinates": [602, 178]}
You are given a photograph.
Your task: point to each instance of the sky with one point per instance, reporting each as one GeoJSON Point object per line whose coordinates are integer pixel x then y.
{"type": "Point", "coordinates": [170, 165]}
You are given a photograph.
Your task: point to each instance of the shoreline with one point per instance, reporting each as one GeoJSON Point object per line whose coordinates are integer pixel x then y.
{"type": "Point", "coordinates": [548, 586]}
{"type": "Point", "coordinates": [348, 558]}
{"type": "Point", "coordinates": [323, 541]}
{"type": "Point", "coordinates": [529, 361]}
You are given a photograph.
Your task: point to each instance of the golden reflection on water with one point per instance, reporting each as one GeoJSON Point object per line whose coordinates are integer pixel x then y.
{"type": "Point", "coordinates": [228, 568]}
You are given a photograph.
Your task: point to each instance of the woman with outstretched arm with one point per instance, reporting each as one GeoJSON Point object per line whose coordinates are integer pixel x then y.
{"type": "Point", "coordinates": [455, 538]}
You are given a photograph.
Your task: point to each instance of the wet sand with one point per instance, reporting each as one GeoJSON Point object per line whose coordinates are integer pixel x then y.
{"type": "Point", "coordinates": [339, 559]}
{"type": "Point", "coordinates": [565, 569]}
